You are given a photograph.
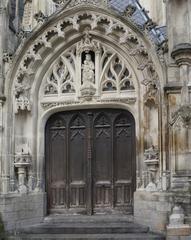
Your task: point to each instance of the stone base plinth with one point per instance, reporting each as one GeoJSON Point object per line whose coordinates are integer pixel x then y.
{"type": "Point", "coordinates": [153, 209]}
{"type": "Point", "coordinates": [183, 230]}
{"type": "Point", "coordinates": [19, 210]}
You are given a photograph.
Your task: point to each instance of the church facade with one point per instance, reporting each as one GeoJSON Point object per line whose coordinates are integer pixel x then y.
{"type": "Point", "coordinates": [95, 111]}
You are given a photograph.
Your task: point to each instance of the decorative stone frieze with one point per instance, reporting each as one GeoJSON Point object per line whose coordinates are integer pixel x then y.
{"type": "Point", "coordinates": [73, 3]}
{"type": "Point", "coordinates": [49, 105]}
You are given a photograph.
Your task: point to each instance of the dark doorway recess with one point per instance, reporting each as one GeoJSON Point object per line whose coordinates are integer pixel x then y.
{"type": "Point", "coordinates": [90, 162]}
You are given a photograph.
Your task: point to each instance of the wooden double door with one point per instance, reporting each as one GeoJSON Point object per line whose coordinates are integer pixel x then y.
{"type": "Point", "coordinates": [90, 161]}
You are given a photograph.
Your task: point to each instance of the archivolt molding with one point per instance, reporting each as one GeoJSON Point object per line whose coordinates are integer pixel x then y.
{"type": "Point", "coordinates": [77, 23]}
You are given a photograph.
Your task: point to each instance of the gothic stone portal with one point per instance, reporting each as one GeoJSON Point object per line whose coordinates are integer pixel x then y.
{"type": "Point", "coordinates": [90, 162]}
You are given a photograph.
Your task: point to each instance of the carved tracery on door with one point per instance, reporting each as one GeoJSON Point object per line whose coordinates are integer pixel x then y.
{"type": "Point", "coordinates": [90, 161]}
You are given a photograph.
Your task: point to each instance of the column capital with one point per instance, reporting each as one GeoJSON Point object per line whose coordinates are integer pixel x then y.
{"type": "Point", "coordinates": [182, 54]}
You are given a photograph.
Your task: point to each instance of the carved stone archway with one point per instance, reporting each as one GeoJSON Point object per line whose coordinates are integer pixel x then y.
{"type": "Point", "coordinates": [48, 76]}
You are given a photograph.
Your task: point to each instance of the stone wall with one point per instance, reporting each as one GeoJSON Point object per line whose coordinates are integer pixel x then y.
{"type": "Point", "coordinates": [19, 210]}
{"type": "Point", "coordinates": [156, 10]}
{"type": "Point", "coordinates": [153, 209]}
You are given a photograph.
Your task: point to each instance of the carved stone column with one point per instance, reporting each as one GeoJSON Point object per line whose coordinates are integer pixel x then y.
{"type": "Point", "coordinates": [3, 41]}
{"type": "Point", "coordinates": [181, 120]}
{"type": "Point", "coordinates": [178, 22]}
{"type": "Point", "coordinates": [4, 177]}
{"type": "Point", "coordinates": [3, 46]}
{"type": "Point", "coordinates": [22, 163]}
{"type": "Point", "coordinates": [152, 162]}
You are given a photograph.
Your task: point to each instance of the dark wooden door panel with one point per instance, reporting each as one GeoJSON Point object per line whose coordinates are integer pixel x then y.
{"type": "Point", "coordinates": [90, 161]}
{"type": "Point", "coordinates": [56, 180]}
{"type": "Point", "coordinates": [77, 162]}
{"type": "Point", "coordinates": [102, 157]}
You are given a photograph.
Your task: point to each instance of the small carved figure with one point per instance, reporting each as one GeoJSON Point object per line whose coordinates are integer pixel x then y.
{"type": "Point", "coordinates": [88, 67]}
{"type": "Point", "coordinates": [21, 89]}
{"type": "Point", "coordinates": [150, 97]}
{"type": "Point", "coordinates": [21, 92]}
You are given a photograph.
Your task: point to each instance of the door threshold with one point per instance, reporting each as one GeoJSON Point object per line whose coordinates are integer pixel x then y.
{"type": "Point", "coordinates": [61, 218]}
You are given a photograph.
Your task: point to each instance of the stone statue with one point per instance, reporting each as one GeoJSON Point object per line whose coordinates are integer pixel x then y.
{"type": "Point", "coordinates": [21, 92]}
{"type": "Point", "coordinates": [88, 67]}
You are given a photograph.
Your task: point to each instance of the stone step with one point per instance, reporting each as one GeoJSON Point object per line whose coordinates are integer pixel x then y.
{"type": "Point", "coordinates": [59, 218]}
{"type": "Point", "coordinates": [132, 236]}
{"type": "Point", "coordinates": [86, 227]}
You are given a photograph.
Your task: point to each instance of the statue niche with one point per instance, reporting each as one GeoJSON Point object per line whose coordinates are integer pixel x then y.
{"type": "Point", "coordinates": [88, 74]}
